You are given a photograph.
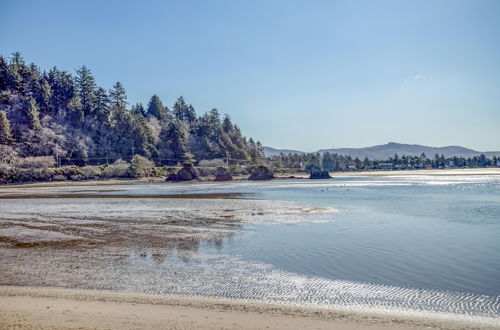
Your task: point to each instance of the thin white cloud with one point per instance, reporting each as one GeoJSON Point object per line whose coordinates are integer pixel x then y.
{"type": "Point", "coordinates": [414, 78]}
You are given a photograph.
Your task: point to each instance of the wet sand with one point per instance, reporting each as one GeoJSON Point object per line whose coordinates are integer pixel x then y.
{"type": "Point", "coordinates": [135, 196]}
{"type": "Point", "coordinates": [56, 240]}
{"type": "Point", "coordinates": [49, 308]}
{"type": "Point", "coordinates": [495, 171]}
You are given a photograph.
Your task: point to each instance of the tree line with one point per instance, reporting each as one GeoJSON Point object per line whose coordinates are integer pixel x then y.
{"type": "Point", "coordinates": [68, 116]}
{"type": "Point", "coordinates": [335, 162]}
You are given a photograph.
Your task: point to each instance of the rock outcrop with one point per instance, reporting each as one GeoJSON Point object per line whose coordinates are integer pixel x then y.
{"type": "Point", "coordinates": [261, 173]}
{"type": "Point", "coordinates": [171, 177]}
{"type": "Point", "coordinates": [222, 174]}
{"type": "Point", "coordinates": [320, 175]}
{"type": "Point", "coordinates": [187, 173]}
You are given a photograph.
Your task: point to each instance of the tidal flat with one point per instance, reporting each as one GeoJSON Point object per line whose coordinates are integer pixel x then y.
{"type": "Point", "coordinates": [413, 244]}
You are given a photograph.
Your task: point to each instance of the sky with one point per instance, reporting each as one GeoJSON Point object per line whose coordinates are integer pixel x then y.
{"type": "Point", "coordinates": [300, 75]}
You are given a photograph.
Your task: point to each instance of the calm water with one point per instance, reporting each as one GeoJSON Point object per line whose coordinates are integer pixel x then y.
{"type": "Point", "coordinates": [437, 237]}
{"type": "Point", "coordinates": [409, 243]}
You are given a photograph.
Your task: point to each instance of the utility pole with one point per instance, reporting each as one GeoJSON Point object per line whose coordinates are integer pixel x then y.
{"type": "Point", "coordinates": [133, 151]}
{"type": "Point", "coordinates": [57, 157]}
{"type": "Point", "coordinates": [227, 158]}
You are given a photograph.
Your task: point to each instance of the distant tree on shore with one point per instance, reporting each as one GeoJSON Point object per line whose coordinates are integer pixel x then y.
{"type": "Point", "coordinates": [336, 162]}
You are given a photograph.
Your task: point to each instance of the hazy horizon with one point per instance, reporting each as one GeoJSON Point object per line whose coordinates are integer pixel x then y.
{"type": "Point", "coordinates": [292, 74]}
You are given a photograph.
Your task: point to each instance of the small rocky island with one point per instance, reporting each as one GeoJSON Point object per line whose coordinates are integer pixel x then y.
{"type": "Point", "coordinates": [223, 174]}
{"type": "Point", "coordinates": [320, 175]}
{"type": "Point", "coordinates": [261, 173]}
{"type": "Point", "coordinates": [186, 173]}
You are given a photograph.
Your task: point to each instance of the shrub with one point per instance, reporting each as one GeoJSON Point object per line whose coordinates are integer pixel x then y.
{"type": "Point", "coordinates": [159, 171]}
{"type": "Point", "coordinates": [212, 163]}
{"type": "Point", "coordinates": [238, 170]}
{"type": "Point", "coordinates": [36, 162]}
{"type": "Point", "coordinates": [140, 167]}
{"type": "Point", "coordinates": [91, 172]}
{"type": "Point", "coordinates": [72, 172]}
{"type": "Point", "coordinates": [119, 169]}
{"type": "Point", "coordinates": [8, 156]}
{"type": "Point", "coordinates": [59, 177]}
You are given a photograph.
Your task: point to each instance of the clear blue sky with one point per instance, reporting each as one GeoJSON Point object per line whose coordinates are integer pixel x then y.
{"type": "Point", "coordinates": [293, 74]}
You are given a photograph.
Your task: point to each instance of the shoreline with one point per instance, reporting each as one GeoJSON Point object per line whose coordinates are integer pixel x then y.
{"type": "Point", "coordinates": [52, 307]}
{"type": "Point", "coordinates": [495, 171]}
{"type": "Point", "coordinates": [41, 307]}
{"type": "Point", "coordinates": [423, 172]}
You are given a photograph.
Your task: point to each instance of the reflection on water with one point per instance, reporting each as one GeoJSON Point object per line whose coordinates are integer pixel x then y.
{"type": "Point", "coordinates": [140, 226]}
{"type": "Point", "coordinates": [424, 244]}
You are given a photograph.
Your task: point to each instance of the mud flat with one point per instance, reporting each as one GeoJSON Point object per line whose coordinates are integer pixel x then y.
{"type": "Point", "coordinates": [44, 308]}
{"type": "Point", "coordinates": [340, 253]}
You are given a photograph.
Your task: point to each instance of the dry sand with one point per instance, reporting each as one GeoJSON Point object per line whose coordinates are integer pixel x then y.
{"type": "Point", "coordinates": [44, 308]}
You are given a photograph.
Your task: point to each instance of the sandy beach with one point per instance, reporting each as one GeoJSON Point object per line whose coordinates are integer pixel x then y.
{"type": "Point", "coordinates": [491, 171]}
{"type": "Point", "coordinates": [143, 256]}
{"type": "Point", "coordinates": [49, 308]}
{"type": "Point", "coordinates": [250, 165]}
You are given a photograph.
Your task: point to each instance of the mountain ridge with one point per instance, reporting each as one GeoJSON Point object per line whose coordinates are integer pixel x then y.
{"type": "Point", "coordinates": [384, 151]}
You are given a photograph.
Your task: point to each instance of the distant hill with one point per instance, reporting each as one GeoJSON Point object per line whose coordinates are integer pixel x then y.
{"type": "Point", "coordinates": [385, 151]}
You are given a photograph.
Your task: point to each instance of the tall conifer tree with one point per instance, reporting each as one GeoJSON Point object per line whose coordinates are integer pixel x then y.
{"type": "Point", "coordinates": [33, 114]}
{"type": "Point", "coordinates": [5, 131]}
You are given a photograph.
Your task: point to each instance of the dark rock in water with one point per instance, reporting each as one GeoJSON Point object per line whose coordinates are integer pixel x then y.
{"type": "Point", "coordinates": [222, 174]}
{"type": "Point", "coordinates": [171, 177]}
{"type": "Point", "coordinates": [313, 168]}
{"type": "Point", "coordinates": [320, 175]}
{"type": "Point", "coordinates": [261, 173]}
{"type": "Point", "coordinates": [187, 173]}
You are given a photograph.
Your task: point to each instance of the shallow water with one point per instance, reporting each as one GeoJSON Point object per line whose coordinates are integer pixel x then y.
{"type": "Point", "coordinates": [412, 243]}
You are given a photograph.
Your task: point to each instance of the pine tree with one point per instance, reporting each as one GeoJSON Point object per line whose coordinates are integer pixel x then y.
{"type": "Point", "coordinates": [215, 125]}
{"type": "Point", "coordinates": [5, 132]}
{"type": "Point", "coordinates": [177, 140]}
{"type": "Point", "coordinates": [17, 59]}
{"type": "Point", "coordinates": [118, 95]}
{"type": "Point", "coordinates": [45, 95]}
{"type": "Point", "coordinates": [227, 125]}
{"type": "Point", "coordinates": [5, 75]}
{"type": "Point", "coordinates": [102, 104]}
{"type": "Point", "coordinates": [182, 111]}
{"type": "Point", "coordinates": [138, 110]}
{"type": "Point", "coordinates": [18, 72]}
{"type": "Point", "coordinates": [86, 86]}
{"type": "Point", "coordinates": [63, 91]}
{"type": "Point", "coordinates": [156, 109]}
{"type": "Point", "coordinates": [33, 114]}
